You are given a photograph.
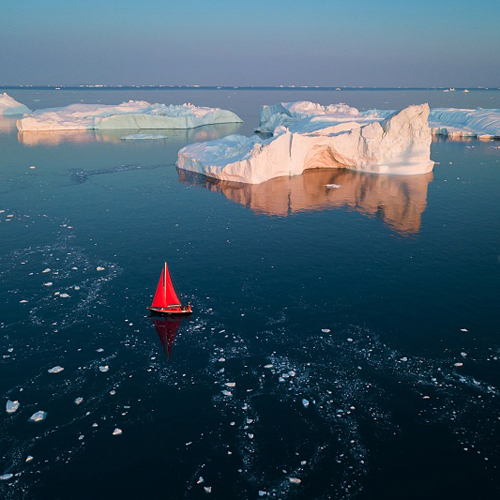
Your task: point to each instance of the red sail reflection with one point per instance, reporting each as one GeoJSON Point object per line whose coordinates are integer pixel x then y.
{"type": "Point", "coordinates": [167, 330]}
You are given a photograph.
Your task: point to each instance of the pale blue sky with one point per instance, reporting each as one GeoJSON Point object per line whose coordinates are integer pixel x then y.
{"type": "Point", "coordinates": [217, 42]}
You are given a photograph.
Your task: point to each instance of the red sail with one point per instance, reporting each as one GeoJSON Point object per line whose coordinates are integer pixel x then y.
{"type": "Point", "coordinates": [165, 294]}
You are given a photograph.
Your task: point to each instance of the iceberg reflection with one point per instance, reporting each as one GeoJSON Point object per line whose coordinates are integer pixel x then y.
{"type": "Point", "coordinates": [57, 137]}
{"type": "Point", "coordinates": [398, 200]}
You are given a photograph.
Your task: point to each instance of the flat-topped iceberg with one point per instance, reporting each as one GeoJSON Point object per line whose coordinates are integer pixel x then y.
{"type": "Point", "coordinates": [128, 115]}
{"type": "Point", "coordinates": [398, 144]}
{"type": "Point", "coordinates": [460, 123]}
{"type": "Point", "coordinates": [9, 106]}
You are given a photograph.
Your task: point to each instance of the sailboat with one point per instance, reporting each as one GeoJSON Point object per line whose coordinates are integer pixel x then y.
{"type": "Point", "coordinates": [165, 301]}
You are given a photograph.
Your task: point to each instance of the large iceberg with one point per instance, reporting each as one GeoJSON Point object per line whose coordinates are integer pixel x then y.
{"type": "Point", "coordinates": [329, 138]}
{"type": "Point", "coordinates": [9, 106]}
{"type": "Point", "coordinates": [128, 115]}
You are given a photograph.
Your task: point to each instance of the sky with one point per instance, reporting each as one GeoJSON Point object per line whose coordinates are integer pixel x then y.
{"type": "Point", "coordinates": [384, 43]}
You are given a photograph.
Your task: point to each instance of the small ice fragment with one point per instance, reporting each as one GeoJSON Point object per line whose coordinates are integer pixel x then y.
{"type": "Point", "coordinates": [29, 458]}
{"type": "Point", "coordinates": [463, 354]}
{"type": "Point", "coordinates": [268, 366]}
{"type": "Point", "coordinates": [77, 287]}
{"type": "Point", "coordinates": [77, 401]}
{"type": "Point", "coordinates": [208, 489]}
{"type": "Point", "coordinates": [99, 268]}
{"type": "Point", "coordinates": [23, 301]}
{"type": "Point", "coordinates": [404, 358]}
{"type": "Point", "coordinates": [333, 186]}
{"type": "Point", "coordinates": [49, 283]}
{"type": "Point", "coordinates": [250, 435]}
{"type": "Point", "coordinates": [221, 360]}
{"type": "Point", "coordinates": [426, 397]}
{"type": "Point", "coordinates": [305, 402]}
{"type": "Point", "coordinates": [47, 270]}
{"type": "Point", "coordinates": [281, 379]}
{"type": "Point", "coordinates": [459, 364]}
{"type": "Point", "coordinates": [12, 406]}
{"type": "Point", "coordinates": [350, 340]}
{"type": "Point", "coordinates": [117, 432]}
{"type": "Point", "coordinates": [6, 477]}
{"type": "Point", "coordinates": [112, 393]}
{"type": "Point", "coordinates": [230, 384]}
{"type": "Point", "coordinates": [104, 368]}
{"type": "Point", "coordinates": [32, 167]}
{"type": "Point", "coordinates": [325, 330]}
{"type": "Point", "coordinates": [100, 349]}
{"type": "Point", "coordinates": [304, 462]}
{"type": "Point", "coordinates": [200, 480]}
{"type": "Point", "coordinates": [249, 421]}
{"type": "Point", "coordinates": [262, 493]}
{"type": "Point", "coordinates": [64, 295]}
{"type": "Point", "coordinates": [227, 393]}
{"type": "Point", "coordinates": [38, 416]}
{"type": "Point", "coordinates": [294, 480]}
{"type": "Point", "coordinates": [464, 330]}
{"type": "Point", "coordinates": [56, 369]}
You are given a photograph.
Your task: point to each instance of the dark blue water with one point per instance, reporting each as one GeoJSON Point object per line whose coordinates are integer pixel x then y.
{"type": "Point", "coordinates": [251, 394]}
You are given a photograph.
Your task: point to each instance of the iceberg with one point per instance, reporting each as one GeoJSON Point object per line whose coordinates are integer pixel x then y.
{"type": "Point", "coordinates": [335, 136]}
{"type": "Point", "coordinates": [462, 123]}
{"type": "Point", "coordinates": [9, 106]}
{"type": "Point", "coordinates": [127, 115]}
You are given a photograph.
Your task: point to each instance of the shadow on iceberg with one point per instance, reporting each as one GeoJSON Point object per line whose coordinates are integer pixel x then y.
{"type": "Point", "coordinates": [398, 200]}
{"type": "Point", "coordinates": [58, 137]}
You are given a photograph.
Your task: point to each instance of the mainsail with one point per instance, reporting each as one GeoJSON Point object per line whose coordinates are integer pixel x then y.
{"type": "Point", "coordinates": [165, 294]}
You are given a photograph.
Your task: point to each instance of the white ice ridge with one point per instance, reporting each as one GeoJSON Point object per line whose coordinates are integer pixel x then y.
{"type": "Point", "coordinates": [459, 123]}
{"type": "Point", "coordinates": [398, 144]}
{"type": "Point", "coordinates": [9, 106]}
{"type": "Point", "coordinates": [128, 115]}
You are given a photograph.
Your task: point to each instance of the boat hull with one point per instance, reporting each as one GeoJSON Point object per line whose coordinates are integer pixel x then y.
{"type": "Point", "coordinates": [178, 311]}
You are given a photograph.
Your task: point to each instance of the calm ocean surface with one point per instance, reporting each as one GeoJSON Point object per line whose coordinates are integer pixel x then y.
{"type": "Point", "coordinates": [345, 338]}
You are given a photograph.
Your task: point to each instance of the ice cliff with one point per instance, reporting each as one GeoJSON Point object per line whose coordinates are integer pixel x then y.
{"type": "Point", "coordinates": [9, 106]}
{"type": "Point", "coordinates": [128, 115]}
{"type": "Point", "coordinates": [460, 123]}
{"type": "Point", "coordinates": [314, 136]}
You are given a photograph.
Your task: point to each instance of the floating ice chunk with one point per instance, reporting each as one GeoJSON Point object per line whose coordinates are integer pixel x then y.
{"type": "Point", "coordinates": [104, 368]}
{"type": "Point", "coordinates": [250, 435]}
{"type": "Point", "coordinates": [325, 330]}
{"type": "Point", "coordinates": [350, 340]}
{"type": "Point", "coordinates": [128, 115]}
{"type": "Point", "coordinates": [49, 283]}
{"type": "Point", "coordinates": [117, 432]}
{"type": "Point", "coordinates": [397, 143]}
{"type": "Point", "coordinates": [333, 186]}
{"type": "Point", "coordinates": [221, 360]}
{"type": "Point", "coordinates": [200, 480]}
{"type": "Point", "coordinates": [463, 354]}
{"type": "Point", "coordinates": [38, 416]}
{"type": "Point", "coordinates": [458, 364]}
{"type": "Point", "coordinates": [56, 369]}
{"type": "Point", "coordinates": [6, 477]}
{"type": "Point", "coordinates": [64, 295]}
{"type": "Point", "coordinates": [100, 268]}
{"type": "Point", "coordinates": [268, 366]}
{"type": "Point", "coordinates": [281, 379]}
{"type": "Point", "coordinates": [208, 489]}
{"type": "Point", "coordinates": [143, 137]}
{"type": "Point", "coordinates": [29, 458]}
{"type": "Point", "coordinates": [227, 393]}
{"type": "Point", "coordinates": [12, 406]}
{"type": "Point", "coordinates": [100, 349]}
{"type": "Point", "coordinates": [426, 397]}
{"type": "Point", "coordinates": [47, 270]}
{"type": "Point", "coordinates": [230, 384]}
{"type": "Point", "coordinates": [9, 106]}
{"type": "Point", "coordinates": [262, 493]}
{"type": "Point", "coordinates": [305, 402]}
{"type": "Point", "coordinates": [294, 480]}
{"type": "Point", "coordinates": [404, 358]}
{"type": "Point", "coordinates": [24, 301]}
{"type": "Point", "coordinates": [78, 400]}
{"type": "Point", "coordinates": [464, 330]}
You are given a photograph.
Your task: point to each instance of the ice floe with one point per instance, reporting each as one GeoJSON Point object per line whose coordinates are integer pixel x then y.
{"type": "Point", "coordinates": [117, 432]}
{"type": "Point", "coordinates": [12, 406]}
{"type": "Point", "coordinates": [128, 115]}
{"type": "Point", "coordinates": [6, 477]}
{"type": "Point", "coordinates": [9, 106]}
{"type": "Point", "coordinates": [38, 416]}
{"type": "Point", "coordinates": [397, 144]}
{"type": "Point", "coordinates": [56, 369]}
{"type": "Point", "coordinates": [104, 368]}
{"type": "Point", "coordinates": [462, 123]}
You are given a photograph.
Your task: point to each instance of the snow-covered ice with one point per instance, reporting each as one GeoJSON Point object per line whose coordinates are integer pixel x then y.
{"type": "Point", "coordinates": [460, 123]}
{"type": "Point", "coordinates": [56, 369]}
{"type": "Point", "coordinates": [128, 115]}
{"type": "Point", "coordinates": [117, 432]}
{"type": "Point", "coordinates": [397, 144]}
{"type": "Point", "coordinates": [38, 416]}
{"type": "Point", "coordinates": [9, 106]}
{"type": "Point", "coordinates": [11, 406]}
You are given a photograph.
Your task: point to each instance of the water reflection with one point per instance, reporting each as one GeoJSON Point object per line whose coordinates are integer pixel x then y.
{"type": "Point", "coordinates": [167, 330]}
{"type": "Point", "coordinates": [398, 200]}
{"type": "Point", "coordinates": [7, 124]}
{"type": "Point", "coordinates": [57, 137]}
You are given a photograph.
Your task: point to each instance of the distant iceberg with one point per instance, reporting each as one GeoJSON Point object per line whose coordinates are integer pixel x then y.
{"type": "Point", "coordinates": [309, 135]}
{"type": "Point", "coordinates": [9, 106]}
{"type": "Point", "coordinates": [461, 123]}
{"type": "Point", "coordinates": [128, 115]}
